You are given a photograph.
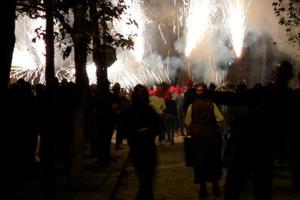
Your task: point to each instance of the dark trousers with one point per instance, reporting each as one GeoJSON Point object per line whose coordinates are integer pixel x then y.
{"type": "Point", "coordinates": [259, 170]}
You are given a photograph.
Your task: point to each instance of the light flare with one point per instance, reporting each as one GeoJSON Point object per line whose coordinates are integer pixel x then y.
{"type": "Point", "coordinates": [28, 54]}
{"type": "Point", "coordinates": [236, 23]}
{"type": "Point", "coordinates": [140, 65]}
{"type": "Point", "coordinates": [198, 22]}
{"type": "Point", "coordinates": [134, 12]}
{"type": "Point", "coordinates": [91, 72]}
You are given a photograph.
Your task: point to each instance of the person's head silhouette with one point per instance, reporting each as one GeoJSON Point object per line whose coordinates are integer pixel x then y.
{"type": "Point", "coordinates": [140, 95]}
{"type": "Point", "coordinates": [283, 72]}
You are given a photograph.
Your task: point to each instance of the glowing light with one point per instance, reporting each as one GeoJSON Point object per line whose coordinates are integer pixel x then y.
{"type": "Point", "coordinates": [235, 22]}
{"type": "Point", "coordinates": [28, 54]}
{"type": "Point", "coordinates": [129, 72]}
{"type": "Point", "coordinates": [91, 71]}
{"type": "Point", "coordinates": [198, 22]}
{"type": "Point", "coordinates": [143, 65]}
{"type": "Point", "coordinates": [162, 34]}
{"type": "Point", "coordinates": [65, 72]}
{"type": "Point", "coordinates": [136, 13]}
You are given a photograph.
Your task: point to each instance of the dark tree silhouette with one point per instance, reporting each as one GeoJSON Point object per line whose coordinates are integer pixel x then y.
{"type": "Point", "coordinates": [288, 12]}
{"type": "Point", "coordinates": [7, 41]}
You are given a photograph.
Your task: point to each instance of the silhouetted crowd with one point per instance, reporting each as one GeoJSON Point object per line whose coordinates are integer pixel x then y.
{"type": "Point", "coordinates": [246, 130]}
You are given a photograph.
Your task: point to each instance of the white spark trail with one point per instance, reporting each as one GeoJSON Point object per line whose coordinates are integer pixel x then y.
{"type": "Point", "coordinates": [198, 22]}
{"type": "Point", "coordinates": [162, 34]}
{"type": "Point", "coordinates": [236, 22]}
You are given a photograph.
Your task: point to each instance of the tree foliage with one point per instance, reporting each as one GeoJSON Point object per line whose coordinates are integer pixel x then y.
{"type": "Point", "coordinates": [288, 12]}
{"type": "Point", "coordinates": [107, 12]}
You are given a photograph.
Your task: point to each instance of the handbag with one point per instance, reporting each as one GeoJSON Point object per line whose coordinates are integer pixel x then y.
{"type": "Point", "coordinates": [188, 155]}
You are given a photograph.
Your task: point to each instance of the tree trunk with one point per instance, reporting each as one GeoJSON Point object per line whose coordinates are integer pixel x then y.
{"type": "Point", "coordinates": [80, 40]}
{"type": "Point", "coordinates": [102, 53]}
{"type": "Point", "coordinates": [104, 113]}
{"type": "Point", "coordinates": [7, 42]}
{"type": "Point", "coordinates": [49, 41]}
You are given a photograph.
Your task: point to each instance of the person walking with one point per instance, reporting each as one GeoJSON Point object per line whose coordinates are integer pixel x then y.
{"type": "Point", "coordinates": [203, 118]}
{"type": "Point", "coordinates": [142, 125]}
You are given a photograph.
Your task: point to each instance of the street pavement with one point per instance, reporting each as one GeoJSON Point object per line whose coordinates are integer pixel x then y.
{"type": "Point", "coordinates": [117, 180]}
{"type": "Point", "coordinates": [98, 181]}
{"type": "Point", "coordinates": [174, 181]}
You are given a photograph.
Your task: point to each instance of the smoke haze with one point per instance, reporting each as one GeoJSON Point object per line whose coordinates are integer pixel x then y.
{"type": "Point", "coordinates": [212, 59]}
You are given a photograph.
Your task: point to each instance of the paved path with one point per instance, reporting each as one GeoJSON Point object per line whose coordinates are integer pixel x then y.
{"type": "Point", "coordinates": [174, 181]}
{"type": "Point", "coordinates": [98, 182]}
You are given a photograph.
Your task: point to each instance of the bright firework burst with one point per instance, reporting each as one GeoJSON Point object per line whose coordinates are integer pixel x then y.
{"type": "Point", "coordinates": [136, 66]}
{"type": "Point", "coordinates": [141, 65]}
{"type": "Point", "coordinates": [134, 12]}
{"type": "Point", "coordinates": [29, 57]}
{"type": "Point", "coordinates": [130, 67]}
{"type": "Point", "coordinates": [235, 22]}
{"type": "Point", "coordinates": [198, 22]}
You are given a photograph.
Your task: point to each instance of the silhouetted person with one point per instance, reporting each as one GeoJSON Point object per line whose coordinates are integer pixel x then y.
{"type": "Point", "coordinates": [295, 145]}
{"type": "Point", "coordinates": [212, 87]}
{"type": "Point", "coordinates": [188, 96]}
{"type": "Point", "coordinates": [142, 125]}
{"type": "Point", "coordinates": [178, 97]}
{"type": "Point", "coordinates": [120, 104]}
{"type": "Point", "coordinates": [170, 116]}
{"type": "Point", "coordinates": [68, 103]}
{"type": "Point", "coordinates": [158, 103]}
{"type": "Point", "coordinates": [48, 138]}
{"type": "Point", "coordinates": [105, 123]}
{"type": "Point", "coordinates": [202, 118]}
{"type": "Point", "coordinates": [238, 116]}
{"type": "Point", "coordinates": [270, 123]}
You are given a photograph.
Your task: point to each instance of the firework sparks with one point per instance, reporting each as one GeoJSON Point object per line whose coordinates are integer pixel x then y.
{"type": "Point", "coordinates": [28, 57]}
{"type": "Point", "coordinates": [195, 20]}
{"type": "Point", "coordinates": [235, 22]}
{"type": "Point", "coordinates": [29, 54]}
{"type": "Point", "coordinates": [134, 12]}
{"type": "Point", "coordinates": [128, 72]}
{"type": "Point", "coordinates": [198, 22]}
{"type": "Point", "coordinates": [162, 34]}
